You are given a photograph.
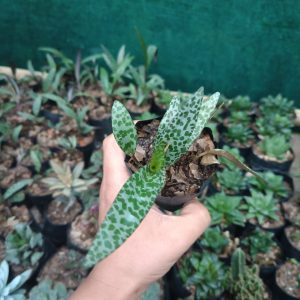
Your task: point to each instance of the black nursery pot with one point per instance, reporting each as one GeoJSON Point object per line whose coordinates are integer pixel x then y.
{"type": "Point", "coordinates": [87, 151]}
{"type": "Point", "coordinates": [156, 109]}
{"type": "Point", "coordinates": [39, 201]}
{"type": "Point", "coordinates": [176, 287]}
{"type": "Point", "coordinates": [288, 248]}
{"type": "Point", "coordinates": [258, 163]}
{"type": "Point", "coordinates": [103, 128]}
{"type": "Point", "coordinates": [52, 117]}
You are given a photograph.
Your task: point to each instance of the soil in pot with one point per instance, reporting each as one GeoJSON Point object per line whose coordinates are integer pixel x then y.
{"type": "Point", "coordinates": [65, 267]}
{"type": "Point", "coordinates": [287, 280]}
{"type": "Point", "coordinates": [291, 209]}
{"type": "Point", "coordinates": [7, 158]}
{"type": "Point", "coordinates": [185, 178]}
{"type": "Point", "coordinates": [13, 175]}
{"type": "Point", "coordinates": [10, 216]}
{"type": "Point", "coordinates": [291, 241]}
{"type": "Point", "coordinates": [57, 214]}
{"type": "Point", "coordinates": [38, 193]}
{"type": "Point", "coordinates": [71, 156]}
{"type": "Point", "coordinates": [49, 137]}
{"type": "Point", "coordinates": [83, 229]}
{"type": "Point", "coordinates": [136, 110]}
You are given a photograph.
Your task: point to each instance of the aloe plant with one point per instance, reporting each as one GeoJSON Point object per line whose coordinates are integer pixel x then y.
{"type": "Point", "coordinates": [271, 105]}
{"type": "Point", "coordinates": [275, 146]}
{"type": "Point", "coordinates": [12, 290]}
{"type": "Point", "coordinates": [240, 103]}
{"type": "Point", "coordinates": [260, 206]}
{"type": "Point", "coordinates": [67, 184]}
{"type": "Point", "coordinates": [181, 125]}
{"type": "Point", "coordinates": [205, 272]}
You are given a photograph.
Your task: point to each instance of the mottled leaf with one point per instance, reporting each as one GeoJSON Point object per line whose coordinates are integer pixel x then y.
{"type": "Point", "coordinates": [123, 128]}
{"type": "Point", "coordinates": [178, 125]}
{"type": "Point", "coordinates": [126, 213]}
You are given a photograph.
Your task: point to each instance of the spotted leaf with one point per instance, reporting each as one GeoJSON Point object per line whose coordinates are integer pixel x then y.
{"type": "Point", "coordinates": [126, 213]}
{"type": "Point", "coordinates": [123, 128]}
{"type": "Point", "coordinates": [178, 125]}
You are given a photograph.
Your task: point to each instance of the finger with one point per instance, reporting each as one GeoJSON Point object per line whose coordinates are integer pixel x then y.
{"type": "Point", "coordinates": [115, 174]}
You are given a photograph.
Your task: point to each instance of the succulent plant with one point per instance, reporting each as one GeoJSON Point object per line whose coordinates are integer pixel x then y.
{"type": "Point", "coordinates": [12, 291]}
{"type": "Point", "coordinates": [240, 103]}
{"type": "Point", "coordinates": [23, 246]}
{"type": "Point", "coordinates": [243, 282]}
{"type": "Point", "coordinates": [186, 116]}
{"type": "Point", "coordinates": [238, 133]}
{"type": "Point", "coordinates": [260, 206]}
{"type": "Point", "coordinates": [15, 193]}
{"type": "Point", "coordinates": [275, 125]}
{"type": "Point", "coordinates": [225, 210]}
{"type": "Point", "coordinates": [49, 290]}
{"type": "Point", "coordinates": [213, 239]}
{"type": "Point", "coordinates": [239, 117]}
{"type": "Point", "coordinates": [232, 180]}
{"type": "Point", "coordinates": [271, 105]}
{"type": "Point", "coordinates": [205, 272]}
{"type": "Point", "coordinates": [274, 183]}
{"type": "Point", "coordinates": [259, 241]}
{"type": "Point", "coordinates": [67, 184]}
{"type": "Point", "coordinates": [275, 146]}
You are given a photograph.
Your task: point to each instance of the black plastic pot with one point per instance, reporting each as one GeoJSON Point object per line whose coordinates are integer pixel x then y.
{"type": "Point", "coordinates": [87, 151]}
{"type": "Point", "coordinates": [156, 109]}
{"type": "Point", "coordinates": [177, 289]}
{"type": "Point", "coordinates": [39, 201]}
{"type": "Point", "coordinates": [258, 163]}
{"type": "Point", "coordinates": [288, 248]}
{"type": "Point", "coordinates": [279, 293]}
{"type": "Point", "coordinates": [52, 117]}
{"type": "Point", "coordinates": [102, 128]}
{"type": "Point", "coordinates": [57, 233]}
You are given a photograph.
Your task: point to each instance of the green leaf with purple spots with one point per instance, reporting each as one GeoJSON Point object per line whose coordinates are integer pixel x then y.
{"type": "Point", "coordinates": [123, 128]}
{"type": "Point", "coordinates": [126, 213]}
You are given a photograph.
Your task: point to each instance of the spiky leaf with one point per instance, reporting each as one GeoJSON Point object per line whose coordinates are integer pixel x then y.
{"type": "Point", "coordinates": [126, 213]}
{"type": "Point", "coordinates": [123, 128]}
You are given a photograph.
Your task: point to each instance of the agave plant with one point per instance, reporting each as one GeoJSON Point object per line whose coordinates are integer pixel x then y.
{"type": "Point", "coordinates": [67, 184]}
{"type": "Point", "coordinates": [12, 291]}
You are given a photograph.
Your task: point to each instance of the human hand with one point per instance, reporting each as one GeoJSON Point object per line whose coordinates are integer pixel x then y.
{"type": "Point", "coordinates": [150, 251]}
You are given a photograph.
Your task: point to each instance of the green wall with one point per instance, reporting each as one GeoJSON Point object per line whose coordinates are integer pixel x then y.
{"type": "Point", "coordinates": [234, 46]}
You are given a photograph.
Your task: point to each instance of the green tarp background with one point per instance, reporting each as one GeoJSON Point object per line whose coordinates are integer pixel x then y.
{"type": "Point", "coordinates": [234, 46]}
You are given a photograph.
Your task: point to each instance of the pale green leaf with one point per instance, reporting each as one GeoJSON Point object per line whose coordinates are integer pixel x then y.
{"type": "Point", "coordinates": [16, 187]}
{"type": "Point", "coordinates": [126, 213]}
{"type": "Point", "coordinates": [123, 128]}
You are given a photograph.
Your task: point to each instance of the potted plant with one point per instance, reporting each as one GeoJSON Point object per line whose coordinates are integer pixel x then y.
{"type": "Point", "coordinates": [24, 248]}
{"type": "Point", "coordinates": [287, 280]}
{"type": "Point", "coordinates": [12, 290]}
{"type": "Point", "coordinates": [272, 153]}
{"type": "Point", "coordinates": [243, 282]}
{"type": "Point", "coordinates": [225, 210]}
{"type": "Point", "coordinates": [263, 251]}
{"type": "Point", "coordinates": [64, 266]}
{"type": "Point", "coordinates": [291, 241]}
{"type": "Point", "coordinates": [281, 185]}
{"type": "Point", "coordinates": [66, 186]}
{"type": "Point", "coordinates": [203, 274]}
{"type": "Point", "coordinates": [261, 209]}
